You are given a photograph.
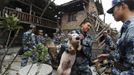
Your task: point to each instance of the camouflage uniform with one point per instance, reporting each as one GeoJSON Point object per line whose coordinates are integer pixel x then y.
{"type": "Point", "coordinates": [124, 54]}
{"type": "Point", "coordinates": [83, 57]}
{"type": "Point", "coordinates": [40, 39]}
{"type": "Point", "coordinates": [108, 44]}
{"type": "Point", "coordinates": [28, 41]}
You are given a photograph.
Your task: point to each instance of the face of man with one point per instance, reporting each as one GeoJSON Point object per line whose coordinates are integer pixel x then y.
{"type": "Point", "coordinates": [105, 34]}
{"type": "Point", "coordinates": [41, 33]}
{"type": "Point", "coordinates": [85, 27]}
{"type": "Point", "coordinates": [34, 30]}
{"type": "Point", "coordinates": [118, 12]}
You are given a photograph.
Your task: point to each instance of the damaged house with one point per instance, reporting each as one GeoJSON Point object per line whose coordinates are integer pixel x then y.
{"type": "Point", "coordinates": [38, 12]}
{"type": "Point", "coordinates": [76, 11]}
{"type": "Point", "coordinates": [50, 17]}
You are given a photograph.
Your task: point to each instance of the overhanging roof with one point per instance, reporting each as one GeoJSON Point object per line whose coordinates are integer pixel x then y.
{"type": "Point", "coordinates": [75, 5]}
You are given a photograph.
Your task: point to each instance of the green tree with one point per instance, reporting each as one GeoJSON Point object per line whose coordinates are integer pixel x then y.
{"type": "Point", "coordinates": [10, 23]}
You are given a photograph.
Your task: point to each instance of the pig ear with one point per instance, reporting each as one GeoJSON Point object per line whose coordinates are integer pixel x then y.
{"type": "Point", "coordinates": [69, 36]}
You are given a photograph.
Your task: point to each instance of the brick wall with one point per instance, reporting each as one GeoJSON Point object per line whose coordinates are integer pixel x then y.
{"type": "Point", "coordinates": [72, 24]}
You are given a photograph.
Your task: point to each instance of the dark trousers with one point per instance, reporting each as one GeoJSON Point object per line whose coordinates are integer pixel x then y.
{"type": "Point", "coordinates": [82, 69]}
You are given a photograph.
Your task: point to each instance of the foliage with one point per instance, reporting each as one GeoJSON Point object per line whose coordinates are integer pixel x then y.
{"type": "Point", "coordinates": [11, 22]}
{"type": "Point", "coordinates": [48, 41]}
{"type": "Point", "coordinates": [40, 51]}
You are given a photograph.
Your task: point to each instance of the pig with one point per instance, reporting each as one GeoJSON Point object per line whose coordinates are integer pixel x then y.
{"type": "Point", "coordinates": [69, 55]}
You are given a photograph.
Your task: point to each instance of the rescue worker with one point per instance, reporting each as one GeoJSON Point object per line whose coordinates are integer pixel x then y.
{"type": "Point", "coordinates": [123, 56]}
{"type": "Point", "coordinates": [40, 37]}
{"type": "Point", "coordinates": [83, 57]}
{"type": "Point", "coordinates": [28, 42]}
{"type": "Point", "coordinates": [108, 42]}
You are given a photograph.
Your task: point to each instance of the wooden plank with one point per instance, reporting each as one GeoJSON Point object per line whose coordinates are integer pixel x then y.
{"type": "Point", "coordinates": [102, 31]}
{"type": "Point", "coordinates": [96, 24]}
{"type": "Point", "coordinates": [97, 29]}
{"type": "Point", "coordinates": [94, 30]}
{"type": "Point", "coordinates": [101, 43]}
{"type": "Point", "coordinates": [29, 18]}
{"type": "Point", "coordinates": [97, 38]}
{"type": "Point", "coordinates": [101, 46]}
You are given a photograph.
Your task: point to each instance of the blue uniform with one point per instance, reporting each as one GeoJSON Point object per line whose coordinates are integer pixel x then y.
{"type": "Point", "coordinates": [83, 57]}
{"type": "Point", "coordinates": [108, 44]}
{"type": "Point", "coordinates": [124, 54]}
{"type": "Point", "coordinates": [40, 39]}
{"type": "Point", "coordinates": [28, 42]}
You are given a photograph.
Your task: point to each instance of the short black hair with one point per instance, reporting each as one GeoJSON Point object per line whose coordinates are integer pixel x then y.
{"type": "Point", "coordinates": [85, 21]}
{"type": "Point", "coordinates": [130, 4]}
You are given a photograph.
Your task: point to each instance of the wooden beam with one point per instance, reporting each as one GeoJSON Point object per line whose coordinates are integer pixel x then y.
{"type": "Point", "coordinates": [98, 25]}
{"type": "Point", "coordinates": [23, 2]}
{"type": "Point", "coordinates": [97, 38]}
{"type": "Point", "coordinates": [24, 18]}
{"type": "Point", "coordinates": [29, 5]}
{"type": "Point", "coordinates": [101, 43]}
{"type": "Point", "coordinates": [37, 7]}
{"type": "Point", "coordinates": [101, 46]}
{"type": "Point", "coordinates": [102, 31]}
{"type": "Point", "coordinates": [94, 30]}
{"type": "Point", "coordinates": [45, 8]}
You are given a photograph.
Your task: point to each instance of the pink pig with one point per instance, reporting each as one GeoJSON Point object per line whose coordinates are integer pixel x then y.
{"type": "Point", "coordinates": [68, 56]}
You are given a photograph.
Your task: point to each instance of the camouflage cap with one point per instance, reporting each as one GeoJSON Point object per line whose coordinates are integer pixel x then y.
{"type": "Point", "coordinates": [114, 3]}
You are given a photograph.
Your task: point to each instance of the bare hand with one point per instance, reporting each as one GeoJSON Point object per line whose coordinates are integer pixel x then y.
{"type": "Point", "coordinates": [81, 36]}
{"type": "Point", "coordinates": [102, 57]}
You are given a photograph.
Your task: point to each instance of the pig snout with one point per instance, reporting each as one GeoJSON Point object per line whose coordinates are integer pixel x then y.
{"type": "Point", "coordinates": [77, 38]}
